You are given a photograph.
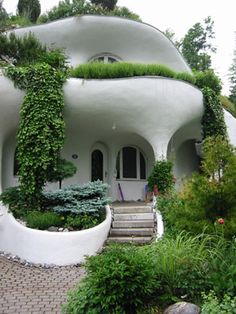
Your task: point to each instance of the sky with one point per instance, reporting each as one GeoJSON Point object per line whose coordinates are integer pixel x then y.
{"type": "Point", "coordinates": [179, 16]}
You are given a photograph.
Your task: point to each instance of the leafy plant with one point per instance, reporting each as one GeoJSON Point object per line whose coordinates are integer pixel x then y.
{"type": "Point", "coordinates": [41, 131]}
{"type": "Point", "coordinates": [214, 305]}
{"type": "Point", "coordinates": [208, 79]}
{"type": "Point", "coordinates": [119, 280]}
{"type": "Point", "coordinates": [42, 221]}
{"type": "Point", "coordinates": [161, 176]}
{"type": "Point", "coordinates": [213, 123]}
{"type": "Point", "coordinates": [84, 221]}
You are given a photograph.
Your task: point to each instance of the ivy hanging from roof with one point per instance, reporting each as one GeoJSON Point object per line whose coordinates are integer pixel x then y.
{"type": "Point", "coordinates": [41, 130]}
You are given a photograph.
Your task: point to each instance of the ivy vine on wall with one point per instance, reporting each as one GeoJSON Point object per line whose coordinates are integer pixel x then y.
{"type": "Point", "coordinates": [41, 130]}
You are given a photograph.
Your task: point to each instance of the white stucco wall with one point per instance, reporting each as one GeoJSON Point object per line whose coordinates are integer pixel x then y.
{"type": "Point", "coordinates": [146, 112]}
{"type": "Point", "coordinates": [44, 247]}
{"type": "Point", "coordinates": [231, 127]}
{"type": "Point", "coordinates": [85, 36]}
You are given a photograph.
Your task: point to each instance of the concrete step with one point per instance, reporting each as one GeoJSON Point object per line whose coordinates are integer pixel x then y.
{"type": "Point", "coordinates": [133, 224]}
{"type": "Point", "coordinates": [139, 232]}
{"type": "Point", "coordinates": [132, 209]}
{"type": "Point", "coordinates": [138, 240]}
{"type": "Point", "coordinates": [138, 216]}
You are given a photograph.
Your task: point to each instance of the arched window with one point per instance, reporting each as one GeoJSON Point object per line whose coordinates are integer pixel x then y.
{"type": "Point", "coordinates": [97, 165]}
{"type": "Point", "coordinates": [130, 164]}
{"type": "Point", "coordinates": [105, 58]}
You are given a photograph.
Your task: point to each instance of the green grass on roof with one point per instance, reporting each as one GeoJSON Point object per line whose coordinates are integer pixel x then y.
{"type": "Point", "coordinates": [99, 70]}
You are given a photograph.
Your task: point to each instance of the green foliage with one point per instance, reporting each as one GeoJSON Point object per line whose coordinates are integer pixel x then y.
{"type": "Point", "coordinates": [181, 265]}
{"type": "Point", "coordinates": [206, 196]}
{"type": "Point", "coordinates": [41, 131]}
{"type": "Point", "coordinates": [222, 272]}
{"type": "Point", "coordinates": [42, 221]}
{"type": "Point", "coordinates": [23, 50]}
{"type": "Point", "coordinates": [83, 221]}
{"type": "Point", "coordinates": [214, 305]}
{"type": "Point", "coordinates": [213, 123]}
{"type": "Point", "coordinates": [29, 8]}
{"type": "Point", "coordinates": [67, 8]}
{"type": "Point", "coordinates": [196, 46]}
{"type": "Point", "coordinates": [161, 176]}
{"type": "Point", "coordinates": [13, 199]}
{"type": "Point", "coordinates": [106, 4]}
{"type": "Point", "coordinates": [123, 69]}
{"type": "Point", "coordinates": [89, 198]}
{"type": "Point", "coordinates": [62, 170]}
{"type": "Point", "coordinates": [118, 281]}
{"type": "Point", "coordinates": [208, 79]}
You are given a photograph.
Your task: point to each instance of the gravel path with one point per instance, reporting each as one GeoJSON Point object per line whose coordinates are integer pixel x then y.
{"type": "Point", "coordinates": [34, 290]}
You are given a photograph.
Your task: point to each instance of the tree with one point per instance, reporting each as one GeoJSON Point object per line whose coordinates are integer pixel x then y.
{"type": "Point", "coordinates": [171, 36]}
{"type": "Point", "coordinates": [63, 169]}
{"type": "Point", "coordinates": [106, 4]}
{"type": "Point", "coordinates": [3, 16]}
{"type": "Point", "coordinates": [232, 78]}
{"type": "Point", "coordinates": [196, 46]}
{"type": "Point", "coordinates": [30, 9]}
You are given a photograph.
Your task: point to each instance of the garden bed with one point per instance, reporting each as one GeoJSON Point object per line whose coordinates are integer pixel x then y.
{"type": "Point", "coordinates": [44, 247]}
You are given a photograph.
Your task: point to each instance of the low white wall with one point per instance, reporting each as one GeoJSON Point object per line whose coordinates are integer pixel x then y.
{"type": "Point", "coordinates": [44, 247]}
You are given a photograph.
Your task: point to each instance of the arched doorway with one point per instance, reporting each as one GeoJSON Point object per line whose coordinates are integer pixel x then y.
{"type": "Point", "coordinates": [97, 170]}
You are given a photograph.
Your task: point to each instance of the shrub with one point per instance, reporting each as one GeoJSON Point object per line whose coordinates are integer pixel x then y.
{"type": "Point", "coordinates": [208, 79]}
{"type": "Point", "coordinates": [42, 221]}
{"type": "Point", "coordinates": [83, 221]}
{"type": "Point", "coordinates": [119, 280]}
{"type": "Point", "coordinates": [161, 176]}
{"type": "Point", "coordinates": [214, 305]}
{"type": "Point", "coordinates": [13, 199]}
{"type": "Point", "coordinates": [106, 4]}
{"type": "Point", "coordinates": [75, 199]}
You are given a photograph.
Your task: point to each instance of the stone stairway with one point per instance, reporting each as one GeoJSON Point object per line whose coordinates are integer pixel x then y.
{"type": "Point", "coordinates": [132, 223]}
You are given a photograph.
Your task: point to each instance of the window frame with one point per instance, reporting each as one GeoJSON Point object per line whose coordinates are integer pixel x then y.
{"type": "Point", "coordinates": [105, 56]}
{"type": "Point", "coordinates": [138, 166]}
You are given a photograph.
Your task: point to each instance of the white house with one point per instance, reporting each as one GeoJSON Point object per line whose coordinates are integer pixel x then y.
{"type": "Point", "coordinates": [115, 128]}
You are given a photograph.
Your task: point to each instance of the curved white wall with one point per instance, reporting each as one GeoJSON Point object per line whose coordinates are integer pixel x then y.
{"type": "Point", "coordinates": [44, 247]}
{"type": "Point", "coordinates": [231, 127]}
{"type": "Point", "coordinates": [85, 36]}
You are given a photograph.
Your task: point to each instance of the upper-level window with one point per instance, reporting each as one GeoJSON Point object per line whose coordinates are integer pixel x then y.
{"type": "Point", "coordinates": [130, 164]}
{"type": "Point", "coordinates": [105, 58]}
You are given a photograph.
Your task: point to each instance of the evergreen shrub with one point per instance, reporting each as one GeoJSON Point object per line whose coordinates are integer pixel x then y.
{"type": "Point", "coordinates": [161, 176]}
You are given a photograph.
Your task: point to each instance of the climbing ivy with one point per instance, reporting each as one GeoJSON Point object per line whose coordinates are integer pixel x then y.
{"type": "Point", "coordinates": [41, 130]}
{"type": "Point", "coordinates": [213, 123]}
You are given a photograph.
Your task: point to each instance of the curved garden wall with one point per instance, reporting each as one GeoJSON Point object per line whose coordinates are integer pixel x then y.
{"type": "Point", "coordinates": [45, 247]}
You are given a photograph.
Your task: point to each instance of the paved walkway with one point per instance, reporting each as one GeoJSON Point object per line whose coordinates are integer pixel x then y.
{"type": "Point", "coordinates": [34, 290]}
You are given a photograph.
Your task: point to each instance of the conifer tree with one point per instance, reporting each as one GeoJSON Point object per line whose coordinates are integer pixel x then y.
{"type": "Point", "coordinates": [106, 4]}
{"type": "Point", "coordinates": [30, 9]}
